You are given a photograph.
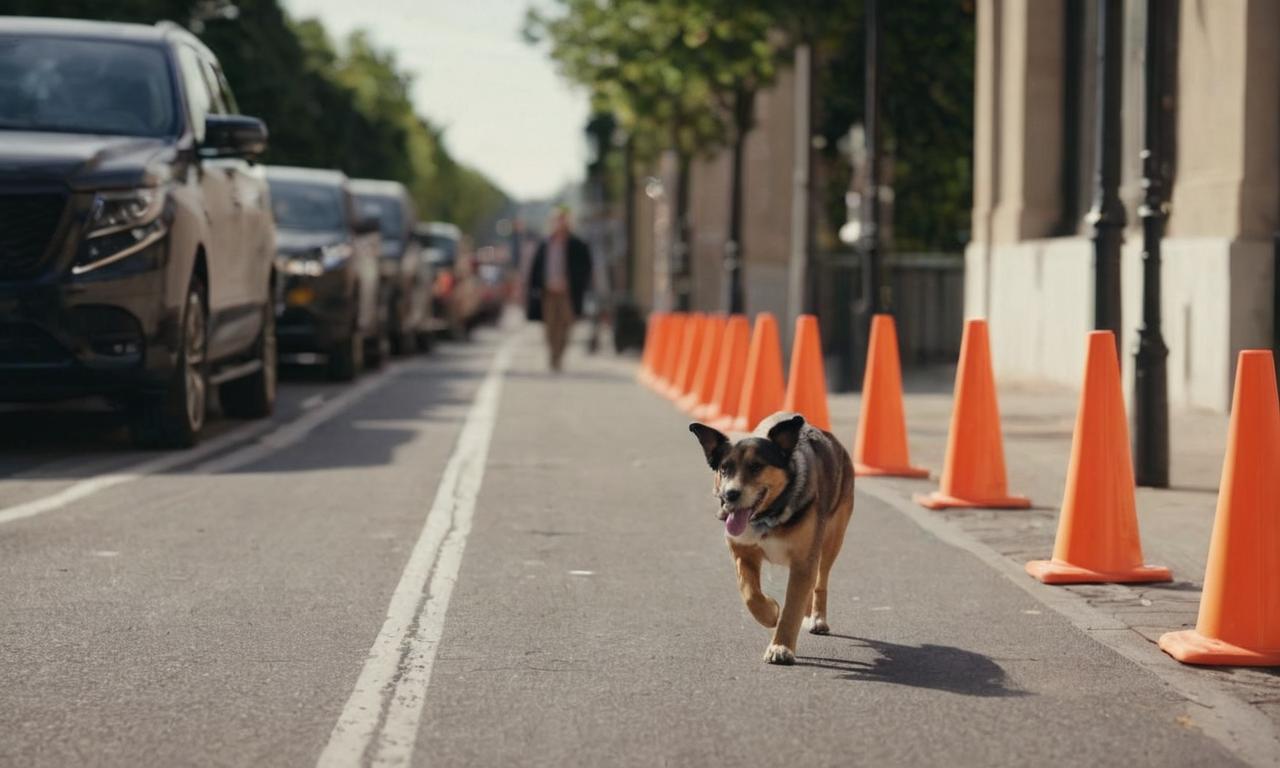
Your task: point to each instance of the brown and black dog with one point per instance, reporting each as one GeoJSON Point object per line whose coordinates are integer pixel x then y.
{"type": "Point", "coordinates": [785, 495]}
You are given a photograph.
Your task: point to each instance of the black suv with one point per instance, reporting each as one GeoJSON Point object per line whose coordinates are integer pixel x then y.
{"type": "Point", "coordinates": [136, 239]}
{"type": "Point", "coordinates": [329, 265]}
{"type": "Point", "coordinates": [406, 275]}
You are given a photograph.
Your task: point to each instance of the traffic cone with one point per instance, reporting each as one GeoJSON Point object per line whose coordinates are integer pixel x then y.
{"type": "Point", "coordinates": [1098, 539]}
{"type": "Point", "coordinates": [807, 383]}
{"type": "Point", "coordinates": [704, 377]}
{"type": "Point", "coordinates": [762, 384]}
{"type": "Point", "coordinates": [728, 381]}
{"type": "Point", "coordinates": [689, 356]}
{"type": "Point", "coordinates": [676, 324]}
{"type": "Point", "coordinates": [880, 447]}
{"type": "Point", "coordinates": [653, 341]}
{"type": "Point", "coordinates": [1239, 622]}
{"type": "Point", "coordinates": [973, 475]}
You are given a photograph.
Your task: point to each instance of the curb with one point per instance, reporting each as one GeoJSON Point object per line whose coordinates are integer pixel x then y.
{"type": "Point", "coordinates": [1244, 730]}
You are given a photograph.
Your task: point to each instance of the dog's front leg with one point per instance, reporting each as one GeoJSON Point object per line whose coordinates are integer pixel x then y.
{"type": "Point", "coordinates": [799, 594]}
{"type": "Point", "coordinates": [762, 607]}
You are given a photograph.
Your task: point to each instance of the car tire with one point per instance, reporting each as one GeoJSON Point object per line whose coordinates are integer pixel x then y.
{"type": "Point", "coordinates": [376, 352]}
{"type": "Point", "coordinates": [347, 358]}
{"type": "Point", "coordinates": [174, 417]}
{"type": "Point", "coordinates": [254, 396]}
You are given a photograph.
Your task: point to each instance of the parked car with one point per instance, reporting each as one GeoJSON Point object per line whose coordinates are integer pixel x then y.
{"type": "Point", "coordinates": [455, 294]}
{"type": "Point", "coordinates": [328, 262]}
{"type": "Point", "coordinates": [136, 240]}
{"type": "Point", "coordinates": [407, 276]}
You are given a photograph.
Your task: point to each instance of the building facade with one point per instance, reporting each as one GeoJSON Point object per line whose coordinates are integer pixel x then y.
{"type": "Point", "coordinates": [1029, 265]}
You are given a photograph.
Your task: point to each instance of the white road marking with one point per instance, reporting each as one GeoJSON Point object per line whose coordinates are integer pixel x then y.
{"type": "Point", "coordinates": [385, 707]}
{"type": "Point", "coordinates": [272, 437]}
{"type": "Point", "coordinates": [312, 402]}
{"type": "Point", "coordinates": [582, 573]}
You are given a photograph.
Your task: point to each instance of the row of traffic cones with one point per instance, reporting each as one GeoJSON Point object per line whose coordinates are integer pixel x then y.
{"type": "Point", "coordinates": [733, 386]}
{"type": "Point", "coordinates": [721, 371]}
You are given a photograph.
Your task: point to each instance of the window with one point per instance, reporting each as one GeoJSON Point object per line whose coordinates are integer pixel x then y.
{"type": "Point", "coordinates": [199, 100]}
{"type": "Point", "coordinates": [67, 85]}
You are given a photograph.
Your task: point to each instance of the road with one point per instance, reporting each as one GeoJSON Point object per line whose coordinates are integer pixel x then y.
{"type": "Point", "coordinates": [465, 560]}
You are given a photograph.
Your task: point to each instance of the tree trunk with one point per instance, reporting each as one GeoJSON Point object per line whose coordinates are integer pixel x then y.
{"type": "Point", "coordinates": [682, 275]}
{"type": "Point", "coordinates": [743, 111]}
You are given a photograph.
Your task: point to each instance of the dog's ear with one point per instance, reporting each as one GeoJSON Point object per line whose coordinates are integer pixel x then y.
{"type": "Point", "coordinates": [786, 433]}
{"type": "Point", "coordinates": [714, 444]}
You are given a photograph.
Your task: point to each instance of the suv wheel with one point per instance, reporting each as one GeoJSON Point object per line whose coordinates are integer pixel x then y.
{"type": "Point", "coordinates": [347, 356]}
{"type": "Point", "coordinates": [254, 396]}
{"type": "Point", "coordinates": [376, 351]}
{"type": "Point", "coordinates": [173, 418]}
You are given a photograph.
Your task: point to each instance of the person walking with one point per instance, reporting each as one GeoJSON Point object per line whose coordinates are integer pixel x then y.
{"type": "Point", "coordinates": [558, 282]}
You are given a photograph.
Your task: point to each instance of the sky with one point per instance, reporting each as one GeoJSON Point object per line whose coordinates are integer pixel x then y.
{"type": "Point", "coordinates": [504, 108]}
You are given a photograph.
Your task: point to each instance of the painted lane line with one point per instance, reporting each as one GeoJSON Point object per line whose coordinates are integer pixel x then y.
{"type": "Point", "coordinates": [270, 436]}
{"type": "Point", "coordinates": [385, 707]}
{"type": "Point", "coordinates": [312, 402]}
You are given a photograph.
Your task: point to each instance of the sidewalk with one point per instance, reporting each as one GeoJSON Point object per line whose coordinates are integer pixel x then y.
{"type": "Point", "coordinates": [1038, 420]}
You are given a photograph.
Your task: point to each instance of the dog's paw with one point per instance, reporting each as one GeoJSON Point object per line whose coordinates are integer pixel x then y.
{"type": "Point", "coordinates": [779, 654]}
{"type": "Point", "coordinates": [818, 625]}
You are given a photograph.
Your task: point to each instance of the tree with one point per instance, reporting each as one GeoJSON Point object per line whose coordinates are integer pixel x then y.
{"type": "Point", "coordinates": [684, 70]}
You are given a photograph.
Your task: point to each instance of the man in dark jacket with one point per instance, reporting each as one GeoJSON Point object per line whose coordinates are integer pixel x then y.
{"type": "Point", "coordinates": [558, 281]}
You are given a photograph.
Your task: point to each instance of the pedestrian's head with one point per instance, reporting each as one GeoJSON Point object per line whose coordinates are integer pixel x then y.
{"type": "Point", "coordinates": [560, 221]}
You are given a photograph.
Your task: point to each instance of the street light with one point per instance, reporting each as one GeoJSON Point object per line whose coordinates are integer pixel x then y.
{"type": "Point", "coordinates": [1107, 212]}
{"type": "Point", "coordinates": [1150, 375]}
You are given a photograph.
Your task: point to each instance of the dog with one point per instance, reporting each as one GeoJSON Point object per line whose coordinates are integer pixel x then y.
{"type": "Point", "coordinates": [785, 495]}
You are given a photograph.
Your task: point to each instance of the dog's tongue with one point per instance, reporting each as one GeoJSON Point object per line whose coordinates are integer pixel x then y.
{"type": "Point", "coordinates": [736, 522]}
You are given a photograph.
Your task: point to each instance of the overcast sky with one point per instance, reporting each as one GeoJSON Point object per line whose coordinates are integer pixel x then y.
{"type": "Point", "coordinates": [505, 109]}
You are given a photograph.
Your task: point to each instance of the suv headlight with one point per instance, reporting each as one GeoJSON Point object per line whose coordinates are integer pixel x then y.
{"type": "Point", "coordinates": [332, 256]}
{"type": "Point", "coordinates": [117, 211]}
{"type": "Point", "coordinates": [121, 223]}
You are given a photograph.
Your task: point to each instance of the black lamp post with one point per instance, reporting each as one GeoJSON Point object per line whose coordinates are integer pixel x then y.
{"type": "Point", "coordinates": [1150, 377]}
{"type": "Point", "coordinates": [871, 224]}
{"type": "Point", "coordinates": [1107, 212]}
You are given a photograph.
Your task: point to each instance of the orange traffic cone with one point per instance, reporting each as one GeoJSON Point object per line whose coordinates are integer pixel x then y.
{"type": "Point", "coordinates": [1239, 621]}
{"type": "Point", "coordinates": [1098, 537]}
{"type": "Point", "coordinates": [673, 330]}
{"type": "Point", "coordinates": [653, 341]}
{"type": "Point", "coordinates": [762, 383]}
{"type": "Point", "coordinates": [807, 383]}
{"type": "Point", "coordinates": [880, 447]}
{"type": "Point", "coordinates": [727, 389]}
{"type": "Point", "coordinates": [700, 338]}
{"type": "Point", "coordinates": [676, 323]}
{"type": "Point", "coordinates": [689, 347]}
{"type": "Point", "coordinates": [705, 376]}
{"type": "Point", "coordinates": [973, 475]}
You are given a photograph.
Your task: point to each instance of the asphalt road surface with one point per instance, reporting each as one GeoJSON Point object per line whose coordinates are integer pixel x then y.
{"type": "Point", "coordinates": [465, 560]}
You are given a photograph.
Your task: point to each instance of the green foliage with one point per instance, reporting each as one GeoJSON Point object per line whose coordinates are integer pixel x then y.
{"type": "Point", "coordinates": [926, 59]}
{"type": "Point", "coordinates": [327, 105]}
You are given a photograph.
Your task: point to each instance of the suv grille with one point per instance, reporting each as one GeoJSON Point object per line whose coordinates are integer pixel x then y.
{"type": "Point", "coordinates": [27, 224]}
{"type": "Point", "coordinates": [26, 344]}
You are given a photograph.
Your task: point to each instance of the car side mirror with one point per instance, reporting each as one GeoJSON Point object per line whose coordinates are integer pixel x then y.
{"type": "Point", "coordinates": [234, 136]}
{"type": "Point", "coordinates": [366, 224]}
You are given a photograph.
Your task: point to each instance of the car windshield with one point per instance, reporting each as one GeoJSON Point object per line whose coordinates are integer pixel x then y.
{"type": "Point", "coordinates": [298, 205]}
{"type": "Point", "coordinates": [85, 86]}
{"type": "Point", "coordinates": [387, 211]}
{"type": "Point", "coordinates": [443, 249]}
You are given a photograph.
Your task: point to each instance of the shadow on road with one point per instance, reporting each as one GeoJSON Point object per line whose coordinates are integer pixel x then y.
{"type": "Point", "coordinates": [939, 667]}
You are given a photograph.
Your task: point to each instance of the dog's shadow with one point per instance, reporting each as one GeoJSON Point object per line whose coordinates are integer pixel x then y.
{"type": "Point", "coordinates": [939, 667]}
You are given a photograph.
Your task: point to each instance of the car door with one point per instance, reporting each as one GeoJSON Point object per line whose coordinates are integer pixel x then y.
{"type": "Point", "coordinates": [250, 257]}
{"type": "Point", "coordinates": [221, 236]}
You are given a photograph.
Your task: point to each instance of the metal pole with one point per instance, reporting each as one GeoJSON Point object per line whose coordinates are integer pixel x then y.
{"type": "Point", "coordinates": [1107, 213]}
{"type": "Point", "coordinates": [797, 274]}
{"type": "Point", "coordinates": [1150, 375]}
{"type": "Point", "coordinates": [871, 227]}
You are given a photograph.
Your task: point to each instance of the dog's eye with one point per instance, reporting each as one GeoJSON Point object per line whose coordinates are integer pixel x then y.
{"type": "Point", "coordinates": [727, 468]}
{"type": "Point", "coordinates": [755, 467]}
